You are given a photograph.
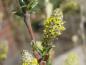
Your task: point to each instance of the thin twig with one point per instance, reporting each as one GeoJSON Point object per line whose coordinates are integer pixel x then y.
{"type": "Point", "coordinates": [28, 24]}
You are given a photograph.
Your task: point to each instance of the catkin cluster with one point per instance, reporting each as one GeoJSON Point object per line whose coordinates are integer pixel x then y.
{"type": "Point", "coordinates": [28, 59]}
{"type": "Point", "coordinates": [54, 25]}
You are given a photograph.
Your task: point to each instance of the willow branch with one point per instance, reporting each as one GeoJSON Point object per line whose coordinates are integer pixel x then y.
{"type": "Point", "coordinates": [28, 24]}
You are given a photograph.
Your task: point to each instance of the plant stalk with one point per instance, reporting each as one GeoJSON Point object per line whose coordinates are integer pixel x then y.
{"type": "Point", "coordinates": [27, 21]}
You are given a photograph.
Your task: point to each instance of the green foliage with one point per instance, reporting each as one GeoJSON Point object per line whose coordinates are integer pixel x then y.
{"type": "Point", "coordinates": [72, 59]}
{"type": "Point", "coordinates": [32, 5]}
{"type": "Point", "coordinates": [26, 5]}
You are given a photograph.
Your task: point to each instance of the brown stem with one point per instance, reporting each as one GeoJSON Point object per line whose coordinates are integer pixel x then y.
{"type": "Point", "coordinates": [28, 24]}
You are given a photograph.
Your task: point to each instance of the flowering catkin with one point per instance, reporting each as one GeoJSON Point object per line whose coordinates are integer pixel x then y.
{"type": "Point", "coordinates": [28, 59]}
{"type": "Point", "coordinates": [53, 26]}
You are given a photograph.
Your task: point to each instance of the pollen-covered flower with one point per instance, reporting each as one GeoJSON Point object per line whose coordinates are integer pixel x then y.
{"type": "Point", "coordinates": [54, 25]}
{"type": "Point", "coordinates": [34, 61]}
{"type": "Point", "coordinates": [28, 59]}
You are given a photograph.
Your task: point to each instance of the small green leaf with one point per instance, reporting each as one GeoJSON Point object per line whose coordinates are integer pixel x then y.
{"type": "Point", "coordinates": [32, 5]}
{"type": "Point", "coordinates": [22, 2]}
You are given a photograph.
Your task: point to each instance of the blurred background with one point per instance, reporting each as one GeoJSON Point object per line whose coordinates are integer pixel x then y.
{"type": "Point", "coordinates": [14, 35]}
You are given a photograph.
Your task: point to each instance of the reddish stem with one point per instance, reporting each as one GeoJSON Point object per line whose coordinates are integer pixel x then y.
{"type": "Point", "coordinates": [28, 24]}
